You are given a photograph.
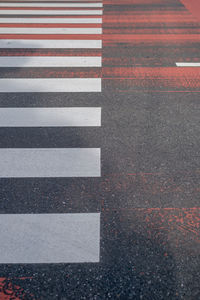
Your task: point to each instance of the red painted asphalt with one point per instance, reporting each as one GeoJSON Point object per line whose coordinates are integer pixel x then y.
{"type": "Point", "coordinates": [193, 6]}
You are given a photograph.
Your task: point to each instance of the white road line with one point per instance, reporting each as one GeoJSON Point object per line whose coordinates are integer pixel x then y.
{"type": "Point", "coordinates": [49, 238]}
{"type": "Point", "coordinates": [49, 85]}
{"type": "Point", "coordinates": [50, 117]}
{"type": "Point", "coordinates": [51, 20]}
{"type": "Point", "coordinates": [187, 64]}
{"type": "Point", "coordinates": [50, 61]}
{"type": "Point", "coordinates": [49, 12]}
{"type": "Point", "coordinates": [13, 30]}
{"type": "Point", "coordinates": [6, 4]}
{"type": "Point", "coordinates": [49, 162]}
{"type": "Point", "coordinates": [53, 44]}
{"type": "Point", "coordinates": [52, 1]}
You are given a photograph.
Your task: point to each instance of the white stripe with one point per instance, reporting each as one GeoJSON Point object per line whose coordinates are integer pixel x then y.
{"type": "Point", "coordinates": [49, 12]}
{"type": "Point", "coordinates": [6, 4]}
{"type": "Point", "coordinates": [50, 61]}
{"type": "Point", "coordinates": [45, 85]}
{"type": "Point", "coordinates": [12, 30]}
{"type": "Point", "coordinates": [52, 1]}
{"type": "Point", "coordinates": [186, 64]}
{"type": "Point", "coordinates": [27, 44]}
{"type": "Point", "coordinates": [49, 162]}
{"type": "Point", "coordinates": [50, 117]}
{"type": "Point", "coordinates": [49, 238]}
{"type": "Point", "coordinates": [51, 20]}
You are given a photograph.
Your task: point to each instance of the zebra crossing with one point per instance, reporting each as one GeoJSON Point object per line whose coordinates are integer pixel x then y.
{"type": "Point", "coordinates": [54, 61]}
{"type": "Point", "coordinates": [148, 190]}
{"type": "Point", "coordinates": [51, 30]}
{"type": "Point", "coordinates": [50, 117]}
{"type": "Point", "coordinates": [64, 237]}
{"type": "Point", "coordinates": [56, 44]}
{"type": "Point", "coordinates": [51, 4]}
{"type": "Point", "coordinates": [42, 85]}
{"type": "Point", "coordinates": [24, 20]}
{"type": "Point", "coordinates": [47, 238]}
{"type": "Point", "coordinates": [50, 12]}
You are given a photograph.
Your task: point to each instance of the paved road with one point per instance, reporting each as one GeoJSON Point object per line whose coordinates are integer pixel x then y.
{"type": "Point", "coordinates": [99, 150]}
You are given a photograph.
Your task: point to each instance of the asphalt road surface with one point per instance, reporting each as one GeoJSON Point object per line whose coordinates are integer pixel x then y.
{"type": "Point", "coordinates": [99, 149]}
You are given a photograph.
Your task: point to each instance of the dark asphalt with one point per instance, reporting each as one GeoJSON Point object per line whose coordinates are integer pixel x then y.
{"type": "Point", "coordinates": [149, 191]}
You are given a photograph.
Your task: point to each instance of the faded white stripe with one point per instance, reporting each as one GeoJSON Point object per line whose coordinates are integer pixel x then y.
{"type": "Point", "coordinates": [49, 162]}
{"type": "Point", "coordinates": [45, 85]}
{"type": "Point", "coordinates": [49, 238]}
{"type": "Point", "coordinates": [6, 4]}
{"type": "Point", "coordinates": [50, 117]}
{"type": "Point", "coordinates": [51, 20]}
{"type": "Point", "coordinates": [27, 44]}
{"type": "Point", "coordinates": [14, 30]}
{"type": "Point", "coordinates": [50, 61]}
{"type": "Point", "coordinates": [187, 64]}
{"type": "Point", "coordinates": [52, 1]}
{"type": "Point", "coordinates": [49, 12]}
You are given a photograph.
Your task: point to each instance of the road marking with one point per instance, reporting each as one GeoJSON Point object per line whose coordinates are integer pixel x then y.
{"type": "Point", "coordinates": [49, 238]}
{"type": "Point", "coordinates": [49, 85]}
{"type": "Point", "coordinates": [6, 4]}
{"type": "Point", "coordinates": [56, 44]}
{"type": "Point", "coordinates": [187, 64]}
{"type": "Point", "coordinates": [50, 61]}
{"type": "Point", "coordinates": [52, 1]}
{"type": "Point", "coordinates": [51, 20]}
{"type": "Point", "coordinates": [12, 30]}
{"type": "Point", "coordinates": [50, 117]}
{"type": "Point", "coordinates": [49, 12]}
{"type": "Point", "coordinates": [49, 162]}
